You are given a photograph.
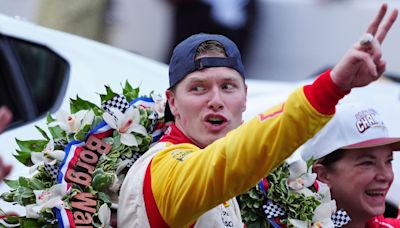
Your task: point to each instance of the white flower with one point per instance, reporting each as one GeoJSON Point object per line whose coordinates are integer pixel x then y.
{"type": "Point", "coordinates": [300, 179]}
{"type": "Point", "coordinates": [323, 193]}
{"type": "Point", "coordinates": [322, 215]}
{"type": "Point", "coordinates": [158, 107]}
{"type": "Point", "coordinates": [105, 216]}
{"type": "Point", "coordinates": [47, 199]}
{"type": "Point", "coordinates": [47, 156]}
{"type": "Point", "coordinates": [72, 123]}
{"type": "Point", "coordinates": [126, 123]}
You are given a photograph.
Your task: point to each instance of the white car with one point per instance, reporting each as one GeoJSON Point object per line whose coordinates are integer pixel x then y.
{"type": "Point", "coordinates": [42, 68]}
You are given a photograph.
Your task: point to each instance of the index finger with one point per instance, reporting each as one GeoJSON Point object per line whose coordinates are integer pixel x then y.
{"type": "Point", "coordinates": [382, 31]}
{"type": "Point", "coordinates": [373, 27]}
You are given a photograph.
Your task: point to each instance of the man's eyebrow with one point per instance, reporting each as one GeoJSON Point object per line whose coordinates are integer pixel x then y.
{"type": "Point", "coordinates": [196, 79]}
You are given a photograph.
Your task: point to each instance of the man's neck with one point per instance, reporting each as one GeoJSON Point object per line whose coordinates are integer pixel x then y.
{"type": "Point", "coordinates": [175, 136]}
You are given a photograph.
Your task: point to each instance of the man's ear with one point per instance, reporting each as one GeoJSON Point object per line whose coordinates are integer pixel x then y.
{"type": "Point", "coordinates": [171, 101]}
{"type": "Point", "coordinates": [323, 174]}
{"type": "Point", "coordinates": [245, 101]}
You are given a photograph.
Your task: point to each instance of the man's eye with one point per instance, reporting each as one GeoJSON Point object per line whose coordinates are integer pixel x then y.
{"type": "Point", "coordinates": [228, 86]}
{"type": "Point", "coordinates": [197, 88]}
{"type": "Point", "coordinates": [389, 162]}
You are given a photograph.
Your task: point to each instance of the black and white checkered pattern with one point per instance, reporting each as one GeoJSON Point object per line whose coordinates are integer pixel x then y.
{"type": "Point", "coordinates": [132, 159]}
{"type": "Point", "coordinates": [60, 142]}
{"type": "Point", "coordinates": [273, 210]}
{"type": "Point", "coordinates": [52, 170]}
{"type": "Point", "coordinates": [119, 102]}
{"type": "Point", "coordinates": [340, 218]}
{"type": "Point", "coordinates": [153, 122]}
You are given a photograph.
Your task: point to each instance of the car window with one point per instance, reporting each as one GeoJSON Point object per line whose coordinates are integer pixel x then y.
{"type": "Point", "coordinates": [33, 79]}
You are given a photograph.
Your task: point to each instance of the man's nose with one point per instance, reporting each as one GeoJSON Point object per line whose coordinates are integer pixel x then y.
{"type": "Point", "coordinates": [216, 100]}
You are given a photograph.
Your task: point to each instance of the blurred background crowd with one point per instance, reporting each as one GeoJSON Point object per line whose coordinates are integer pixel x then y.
{"type": "Point", "coordinates": [280, 39]}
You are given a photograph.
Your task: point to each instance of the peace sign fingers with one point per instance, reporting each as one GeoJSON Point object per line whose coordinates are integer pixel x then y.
{"type": "Point", "coordinates": [383, 30]}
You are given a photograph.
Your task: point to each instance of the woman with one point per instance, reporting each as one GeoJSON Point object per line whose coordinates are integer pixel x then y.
{"type": "Point", "coordinates": [354, 154]}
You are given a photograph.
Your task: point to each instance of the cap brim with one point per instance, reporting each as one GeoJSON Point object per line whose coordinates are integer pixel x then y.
{"type": "Point", "coordinates": [375, 143]}
{"type": "Point", "coordinates": [168, 116]}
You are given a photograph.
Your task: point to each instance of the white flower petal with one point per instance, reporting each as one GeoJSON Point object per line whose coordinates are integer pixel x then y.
{"type": "Point", "coordinates": [297, 168]}
{"type": "Point", "coordinates": [295, 185]}
{"type": "Point", "coordinates": [31, 212]}
{"type": "Point", "coordinates": [132, 114]}
{"type": "Point", "coordinates": [298, 223]}
{"type": "Point", "coordinates": [58, 190]}
{"type": "Point", "coordinates": [309, 179]}
{"type": "Point", "coordinates": [306, 192]}
{"type": "Point", "coordinates": [120, 117]}
{"type": "Point", "coordinates": [138, 129]}
{"type": "Point", "coordinates": [50, 145]}
{"type": "Point", "coordinates": [324, 211]}
{"type": "Point", "coordinates": [128, 139]}
{"type": "Point", "coordinates": [57, 154]}
{"type": "Point", "coordinates": [88, 119]}
{"type": "Point", "coordinates": [110, 120]}
{"type": "Point", "coordinates": [37, 157]}
{"type": "Point", "coordinates": [104, 215]}
{"type": "Point", "coordinates": [41, 196]}
{"type": "Point", "coordinates": [52, 202]}
{"type": "Point", "coordinates": [324, 191]}
{"type": "Point", "coordinates": [33, 168]}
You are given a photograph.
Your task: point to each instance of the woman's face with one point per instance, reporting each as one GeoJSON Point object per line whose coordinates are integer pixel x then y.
{"type": "Point", "coordinates": [360, 180]}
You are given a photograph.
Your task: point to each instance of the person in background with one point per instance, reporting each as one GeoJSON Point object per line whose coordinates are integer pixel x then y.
{"type": "Point", "coordinates": [5, 119]}
{"type": "Point", "coordinates": [232, 18]}
{"type": "Point", "coordinates": [208, 155]}
{"type": "Point", "coordinates": [354, 155]}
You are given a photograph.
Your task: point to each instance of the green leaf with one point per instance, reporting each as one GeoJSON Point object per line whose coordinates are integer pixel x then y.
{"type": "Point", "coordinates": [32, 145]}
{"type": "Point", "coordinates": [109, 95]}
{"type": "Point", "coordinates": [129, 92]}
{"type": "Point", "coordinates": [44, 134]}
{"type": "Point", "coordinates": [23, 157]}
{"type": "Point", "coordinates": [79, 104]}
{"type": "Point", "coordinates": [12, 219]}
{"type": "Point", "coordinates": [81, 134]}
{"type": "Point", "coordinates": [28, 222]}
{"type": "Point", "coordinates": [8, 196]}
{"type": "Point", "coordinates": [23, 181]}
{"type": "Point", "coordinates": [13, 184]}
{"type": "Point", "coordinates": [50, 118]}
{"type": "Point", "coordinates": [36, 184]}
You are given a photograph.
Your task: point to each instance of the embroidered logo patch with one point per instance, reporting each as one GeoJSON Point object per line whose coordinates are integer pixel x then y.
{"type": "Point", "coordinates": [180, 155]}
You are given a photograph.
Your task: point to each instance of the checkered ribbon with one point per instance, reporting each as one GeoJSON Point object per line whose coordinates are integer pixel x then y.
{"type": "Point", "coordinates": [119, 102]}
{"type": "Point", "coordinates": [272, 210]}
{"type": "Point", "coordinates": [60, 142]}
{"type": "Point", "coordinates": [135, 157]}
{"type": "Point", "coordinates": [52, 170]}
{"type": "Point", "coordinates": [340, 218]}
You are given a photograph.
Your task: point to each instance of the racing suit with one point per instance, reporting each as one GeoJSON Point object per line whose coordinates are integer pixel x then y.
{"type": "Point", "coordinates": [177, 184]}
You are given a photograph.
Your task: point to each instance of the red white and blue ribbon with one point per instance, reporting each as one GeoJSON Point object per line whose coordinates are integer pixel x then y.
{"type": "Point", "coordinates": [74, 148]}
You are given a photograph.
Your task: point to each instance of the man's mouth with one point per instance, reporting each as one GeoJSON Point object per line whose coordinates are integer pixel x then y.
{"type": "Point", "coordinates": [216, 120]}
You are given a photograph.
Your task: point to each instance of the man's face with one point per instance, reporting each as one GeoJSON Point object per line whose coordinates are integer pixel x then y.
{"type": "Point", "coordinates": [361, 179]}
{"type": "Point", "coordinates": [208, 103]}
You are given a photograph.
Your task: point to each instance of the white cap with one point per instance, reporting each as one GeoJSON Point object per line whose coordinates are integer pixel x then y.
{"type": "Point", "coordinates": [353, 126]}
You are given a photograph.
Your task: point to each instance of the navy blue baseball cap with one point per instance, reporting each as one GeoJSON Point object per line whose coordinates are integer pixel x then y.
{"type": "Point", "coordinates": [183, 60]}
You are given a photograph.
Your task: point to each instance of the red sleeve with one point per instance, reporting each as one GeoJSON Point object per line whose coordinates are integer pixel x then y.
{"type": "Point", "coordinates": [380, 221]}
{"type": "Point", "coordinates": [324, 94]}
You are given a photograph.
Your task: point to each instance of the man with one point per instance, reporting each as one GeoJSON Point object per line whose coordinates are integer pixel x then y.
{"type": "Point", "coordinates": [190, 177]}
